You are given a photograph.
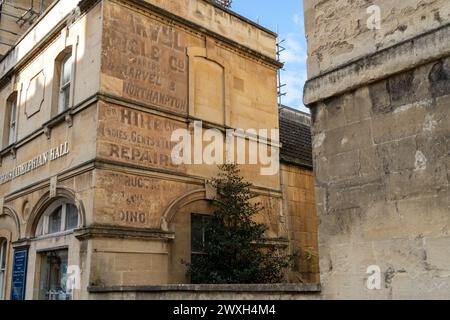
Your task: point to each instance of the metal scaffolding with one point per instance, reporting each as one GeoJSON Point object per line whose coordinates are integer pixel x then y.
{"type": "Point", "coordinates": [22, 16]}
{"type": "Point", "coordinates": [224, 3]}
{"type": "Point", "coordinates": [280, 85]}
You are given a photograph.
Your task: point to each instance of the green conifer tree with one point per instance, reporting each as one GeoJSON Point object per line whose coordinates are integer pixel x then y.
{"type": "Point", "coordinates": [235, 250]}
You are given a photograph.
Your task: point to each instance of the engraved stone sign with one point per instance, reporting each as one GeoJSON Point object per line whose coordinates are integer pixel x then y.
{"type": "Point", "coordinates": [145, 59]}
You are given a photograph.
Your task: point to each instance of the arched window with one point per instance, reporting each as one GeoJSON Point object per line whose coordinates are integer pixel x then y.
{"type": "Point", "coordinates": [10, 127]}
{"type": "Point", "coordinates": [3, 248]}
{"type": "Point", "coordinates": [62, 81]}
{"type": "Point", "coordinates": [65, 78]}
{"type": "Point", "coordinates": [59, 217]}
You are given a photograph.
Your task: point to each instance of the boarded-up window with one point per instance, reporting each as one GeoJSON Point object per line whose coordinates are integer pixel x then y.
{"type": "Point", "coordinates": [209, 90]}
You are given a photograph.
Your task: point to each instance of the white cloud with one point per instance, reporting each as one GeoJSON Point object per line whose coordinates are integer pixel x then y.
{"type": "Point", "coordinates": [295, 52]}
{"type": "Point", "coordinates": [294, 80]}
{"type": "Point", "coordinates": [297, 20]}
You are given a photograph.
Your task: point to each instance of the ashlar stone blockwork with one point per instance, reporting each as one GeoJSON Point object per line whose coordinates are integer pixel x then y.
{"type": "Point", "coordinates": [382, 159]}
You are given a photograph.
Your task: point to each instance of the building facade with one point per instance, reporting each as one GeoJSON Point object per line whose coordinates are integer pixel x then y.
{"type": "Point", "coordinates": [378, 89]}
{"type": "Point", "coordinates": [91, 96]}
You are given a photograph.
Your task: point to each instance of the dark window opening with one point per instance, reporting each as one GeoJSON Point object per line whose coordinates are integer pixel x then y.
{"type": "Point", "coordinates": [198, 234]}
{"type": "Point", "coordinates": [53, 279]}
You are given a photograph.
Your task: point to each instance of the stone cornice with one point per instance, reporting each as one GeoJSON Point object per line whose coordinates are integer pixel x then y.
{"type": "Point", "coordinates": [401, 57]}
{"type": "Point", "coordinates": [122, 233]}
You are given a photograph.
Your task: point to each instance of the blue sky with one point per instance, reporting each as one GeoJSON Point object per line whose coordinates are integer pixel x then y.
{"type": "Point", "coordinates": [287, 15]}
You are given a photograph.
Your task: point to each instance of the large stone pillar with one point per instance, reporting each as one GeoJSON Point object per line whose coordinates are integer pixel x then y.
{"type": "Point", "coordinates": [379, 92]}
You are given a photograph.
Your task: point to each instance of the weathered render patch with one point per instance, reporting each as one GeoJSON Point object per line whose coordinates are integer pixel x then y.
{"type": "Point", "coordinates": [421, 161]}
{"type": "Point", "coordinates": [318, 140]}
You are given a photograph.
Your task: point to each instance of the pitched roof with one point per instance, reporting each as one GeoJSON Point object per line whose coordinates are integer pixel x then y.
{"type": "Point", "coordinates": [295, 137]}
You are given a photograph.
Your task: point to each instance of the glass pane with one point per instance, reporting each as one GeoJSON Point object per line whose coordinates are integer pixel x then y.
{"type": "Point", "coordinates": [13, 111]}
{"type": "Point", "coordinates": [1, 284]}
{"type": "Point", "coordinates": [71, 217]}
{"type": "Point", "coordinates": [66, 70]}
{"type": "Point", "coordinates": [64, 98]}
{"type": "Point", "coordinates": [12, 134]}
{"type": "Point", "coordinates": [12, 123]}
{"type": "Point", "coordinates": [198, 225]}
{"type": "Point", "coordinates": [54, 223]}
{"type": "Point", "coordinates": [53, 276]}
{"type": "Point", "coordinates": [3, 255]}
{"type": "Point", "coordinates": [2, 265]}
{"type": "Point", "coordinates": [196, 234]}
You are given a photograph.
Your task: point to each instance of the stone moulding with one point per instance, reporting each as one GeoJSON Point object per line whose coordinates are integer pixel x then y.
{"type": "Point", "coordinates": [177, 204]}
{"type": "Point", "coordinates": [122, 233]}
{"type": "Point", "coordinates": [45, 200]}
{"type": "Point", "coordinates": [9, 211]}
{"type": "Point", "coordinates": [35, 94]}
{"type": "Point", "coordinates": [238, 288]}
{"type": "Point", "coordinates": [380, 65]}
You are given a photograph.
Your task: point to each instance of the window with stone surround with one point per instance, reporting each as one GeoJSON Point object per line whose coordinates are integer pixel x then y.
{"type": "Point", "coordinates": [57, 223]}
{"type": "Point", "coordinates": [64, 85]}
{"type": "Point", "coordinates": [10, 120]}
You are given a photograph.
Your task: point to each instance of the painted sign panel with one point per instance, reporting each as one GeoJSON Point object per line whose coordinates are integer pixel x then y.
{"type": "Point", "coordinates": [136, 137]}
{"type": "Point", "coordinates": [133, 200]}
{"type": "Point", "coordinates": [147, 58]}
{"type": "Point", "coordinates": [19, 273]}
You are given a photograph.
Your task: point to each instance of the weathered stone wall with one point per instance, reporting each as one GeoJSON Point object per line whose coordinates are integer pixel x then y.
{"type": "Point", "coordinates": [382, 173]}
{"type": "Point", "coordinates": [337, 31]}
{"type": "Point", "coordinates": [381, 150]}
{"type": "Point", "coordinates": [299, 209]}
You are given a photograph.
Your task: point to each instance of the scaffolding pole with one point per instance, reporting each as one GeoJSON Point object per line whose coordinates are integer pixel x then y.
{"type": "Point", "coordinates": [29, 14]}
{"type": "Point", "coordinates": [21, 14]}
{"type": "Point", "coordinates": [280, 85]}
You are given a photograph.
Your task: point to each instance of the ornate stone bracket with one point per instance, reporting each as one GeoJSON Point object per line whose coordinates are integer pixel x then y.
{"type": "Point", "coordinates": [69, 120]}
{"type": "Point", "coordinates": [47, 132]}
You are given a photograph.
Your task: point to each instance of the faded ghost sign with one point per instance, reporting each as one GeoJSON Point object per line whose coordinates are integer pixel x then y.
{"type": "Point", "coordinates": [133, 200]}
{"type": "Point", "coordinates": [148, 57]}
{"type": "Point", "coordinates": [135, 137]}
